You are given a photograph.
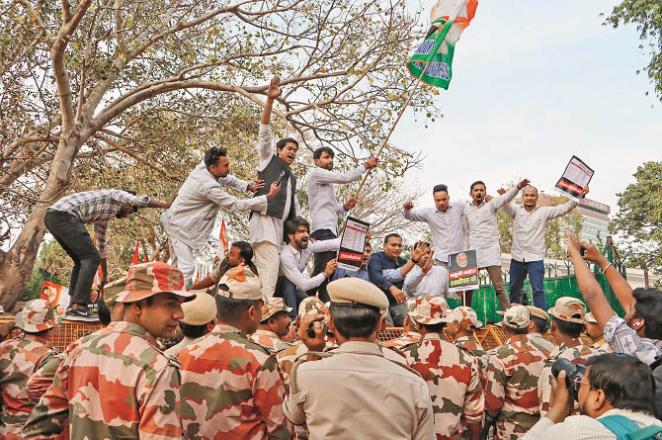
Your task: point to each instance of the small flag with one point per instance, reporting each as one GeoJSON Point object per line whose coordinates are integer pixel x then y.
{"type": "Point", "coordinates": [448, 20]}
{"type": "Point", "coordinates": [135, 259]}
{"type": "Point", "coordinates": [222, 242]}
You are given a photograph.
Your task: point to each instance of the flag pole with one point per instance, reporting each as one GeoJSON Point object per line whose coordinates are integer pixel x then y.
{"type": "Point", "coordinates": [451, 20]}
{"type": "Point", "coordinates": [395, 124]}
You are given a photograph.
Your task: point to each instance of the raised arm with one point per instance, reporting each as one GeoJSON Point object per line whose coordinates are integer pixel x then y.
{"type": "Point", "coordinates": [559, 210]}
{"type": "Point", "coordinates": [413, 214]}
{"type": "Point", "coordinates": [265, 136]}
{"type": "Point", "coordinates": [499, 201]}
{"type": "Point", "coordinates": [324, 245]}
{"type": "Point", "coordinates": [618, 284]}
{"type": "Point", "coordinates": [588, 285]}
{"type": "Point", "coordinates": [234, 182]}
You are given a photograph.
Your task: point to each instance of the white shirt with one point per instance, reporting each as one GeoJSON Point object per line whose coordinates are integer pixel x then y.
{"type": "Point", "coordinates": [446, 227]}
{"type": "Point", "coordinates": [584, 427]}
{"type": "Point", "coordinates": [324, 208]}
{"type": "Point", "coordinates": [293, 263]}
{"type": "Point", "coordinates": [192, 214]}
{"type": "Point", "coordinates": [529, 229]}
{"type": "Point", "coordinates": [434, 283]}
{"type": "Point", "coordinates": [481, 231]}
{"type": "Point", "coordinates": [264, 227]}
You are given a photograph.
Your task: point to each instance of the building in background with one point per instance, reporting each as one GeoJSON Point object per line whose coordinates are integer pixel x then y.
{"type": "Point", "coordinates": [595, 216]}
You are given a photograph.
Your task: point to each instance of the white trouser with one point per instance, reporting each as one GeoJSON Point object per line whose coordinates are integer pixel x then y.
{"type": "Point", "coordinates": [181, 256]}
{"type": "Point", "coordinates": [267, 261]}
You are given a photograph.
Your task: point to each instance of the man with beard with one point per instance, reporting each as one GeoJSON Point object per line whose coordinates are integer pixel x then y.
{"type": "Point", "coordinates": [295, 257]}
{"type": "Point", "coordinates": [324, 208]}
{"type": "Point", "coordinates": [66, 220]}
{"type": "Point", "coordinates": [191, 218]}
{"type": "Point", "coordinates": [481, 233]}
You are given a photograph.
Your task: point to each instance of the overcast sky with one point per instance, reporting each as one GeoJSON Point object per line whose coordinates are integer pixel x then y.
{"type": "Point", "coordinates": [535, 82]}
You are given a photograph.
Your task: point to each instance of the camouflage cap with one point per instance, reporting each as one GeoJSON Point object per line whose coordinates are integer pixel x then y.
{"type": "Point", "coordinates": [112, 289]}
{"type": "Point", "coordinates": [569, 309]}
{"type": "Point", "coordinates": [240, 283]}
{"type": "Point", "coordinates": [517, 316]}
{"type": "Point", "coordinates": [429, 310]}
{"type": "Point", "coordinates": [148, 279]}
{"type": "Point", "coordinates": [357, 291]}
{"type": "Point", "coordinates": [590, 318]}
{"type": "Point", "coordinates": [272, 306]}
{"type": "Point", "coordinates": [312, 305]}
{"type": "Point", "coordinates": [538, 312]}
{"type": "Point", "coordinates": [465, 316]}
{"type": "Point", "coordinates": [36, 316]}
{"type": "Point", "coordinates": [200, 311]}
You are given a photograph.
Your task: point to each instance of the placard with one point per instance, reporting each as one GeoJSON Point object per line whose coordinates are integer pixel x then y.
{"type": "Point", "coordinates": [462, 271]}
{"type": "Point", "coordinates": [352, 244]}
{"type": "Point", "coordinates": [575, 178]}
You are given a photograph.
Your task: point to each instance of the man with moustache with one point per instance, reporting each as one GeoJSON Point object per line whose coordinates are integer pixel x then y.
{"type": "Point", "coordinates": [324, 207]}
{"type": "Point", "coordinates": [295, 257]}
{"type": "Point", "coordinates": [190, 219]}
{"type": "Point", "coordinates": [481, 233]}
{"type": "Point", "coordinates": [266, 224]}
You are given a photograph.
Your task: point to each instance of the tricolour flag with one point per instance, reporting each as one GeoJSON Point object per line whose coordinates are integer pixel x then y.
{"type": "Point", "coordinates": [448, 20]}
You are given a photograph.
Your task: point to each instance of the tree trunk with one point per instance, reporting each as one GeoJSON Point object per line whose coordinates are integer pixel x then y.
{"type": "Point", "coordinates": [18, 262]}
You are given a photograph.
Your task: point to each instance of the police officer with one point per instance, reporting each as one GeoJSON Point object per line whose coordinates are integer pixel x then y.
{"type": "Point", "coordinates": [356, 392]}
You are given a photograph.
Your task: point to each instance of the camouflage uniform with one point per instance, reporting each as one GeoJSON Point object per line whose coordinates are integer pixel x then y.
{"type": "Point", "coordinates": [473, 347]}
{"type": "Point", "coordinates": [43, 377]}
{"type": "Point", "coordinates": [576, 352]}
{"type": "Point", "coordinates": [115, 383]}
{"type": "Point", "coordinates": [20, 357]}
{"type": "Point", "coordinates": [574, 311]}
{"type": "Point", "coordinates": [269, 340]}
{"type": "Point", "coordinates": [542, 344]}
{"type": "Point", "coordinates": [231, 386]}
{"type": "Point", "coordinates": [512, 377]}
{"type": "Point", "coordinates": [451, 374]}
{"type": "Point", "coordinates": [403, 340]}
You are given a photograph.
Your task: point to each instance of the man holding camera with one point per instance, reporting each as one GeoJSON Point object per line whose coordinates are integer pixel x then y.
{"type": "Point", "coordinates": [615, 396]}
{"type": "Point", "coordinates": [567, 326]}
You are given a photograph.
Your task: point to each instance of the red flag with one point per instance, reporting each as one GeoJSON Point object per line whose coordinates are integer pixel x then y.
{"type": "Point", "coordinates": [135, 259]}
{"type": "Point", "coordinates": [222, 242]}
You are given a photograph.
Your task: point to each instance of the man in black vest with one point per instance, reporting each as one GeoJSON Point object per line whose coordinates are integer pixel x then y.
{"type": "Point", "coordinates": [266, 226]}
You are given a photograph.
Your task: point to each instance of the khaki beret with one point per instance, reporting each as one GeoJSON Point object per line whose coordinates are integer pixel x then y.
{"type": "Point", "coordinates": [200, 311]}
{"type": "Point", "coordinates": [357, 291]}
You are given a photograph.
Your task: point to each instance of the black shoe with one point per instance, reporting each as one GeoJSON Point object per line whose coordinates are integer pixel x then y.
{"type": "Point", "coordinates": [81, 314]}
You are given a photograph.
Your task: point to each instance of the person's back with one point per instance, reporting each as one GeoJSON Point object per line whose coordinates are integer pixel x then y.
{"type": "Point", "coordinates": [452, 375]}
{"type": "Point", "coordinates": [329, 392]}
{"type": "Point", "coordinates": [20, 357]}
{"type": "Point", "coordinates": [235, 380]}
{"type": "Point", "coordinates": [229, 374]}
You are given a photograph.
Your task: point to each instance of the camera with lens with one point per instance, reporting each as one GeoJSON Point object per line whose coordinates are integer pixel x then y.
{"type": "Point", "coordinates": [573, 375]}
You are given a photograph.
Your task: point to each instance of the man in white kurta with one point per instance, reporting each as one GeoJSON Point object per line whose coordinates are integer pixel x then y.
{"type": "Point", "coordinates": [481, 233]}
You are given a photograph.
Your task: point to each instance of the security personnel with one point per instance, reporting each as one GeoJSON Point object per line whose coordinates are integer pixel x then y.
{"type": "Point", "coordinates": [372, 397]}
